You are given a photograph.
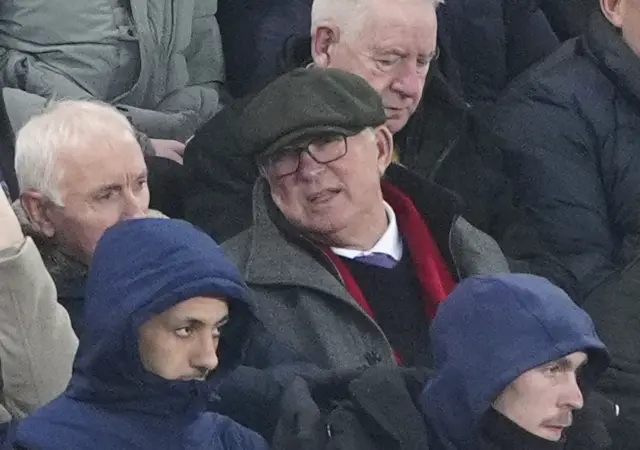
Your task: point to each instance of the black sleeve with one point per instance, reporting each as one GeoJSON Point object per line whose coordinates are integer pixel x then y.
{"type": "Point", "coordinates": [568, 18]}
{"type": "Point", "coordinates": [219, 177]}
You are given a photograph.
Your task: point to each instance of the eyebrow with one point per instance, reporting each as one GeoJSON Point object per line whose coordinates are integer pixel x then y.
{"type": "Point", "coordinates": [566, 364]}
{"type": "Point", "coordinates": [115, 186]}
{"type": "Point", "coordinates": [192, 320]}
{"type": "Point", "coordinates": [107, 188]}
{"type": "Point", "coordinates": [222, 322]}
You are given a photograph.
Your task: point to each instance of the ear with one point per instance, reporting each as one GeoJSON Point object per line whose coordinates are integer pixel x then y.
{"type": "Point", "coordinates": [384, 142]}
{"type": "Point", "coordinates": [323, 37]}
{"type": "Point", "coordinates": [35, 206]}
{"type": "Point", "coordinates": [613, 10]}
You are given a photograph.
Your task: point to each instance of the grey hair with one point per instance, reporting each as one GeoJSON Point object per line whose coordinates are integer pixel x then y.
{"type": "Point", "coordinates": [348, 15]}
{"type": "Point", "coordinates": [68, 124]}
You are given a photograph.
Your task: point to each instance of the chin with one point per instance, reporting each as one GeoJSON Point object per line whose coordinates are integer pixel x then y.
{"type": "Point", "coordinates": [551, 435]}
{"type": "Point", "coordinates": [396, 124]}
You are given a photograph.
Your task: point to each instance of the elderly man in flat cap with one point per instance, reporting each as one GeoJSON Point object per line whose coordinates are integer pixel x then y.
{"type": "Point", "coordinates": [350, 255]}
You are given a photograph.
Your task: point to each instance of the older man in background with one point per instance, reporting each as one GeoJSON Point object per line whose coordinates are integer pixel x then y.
{"type": "Point", "coordinates": [80, 170]}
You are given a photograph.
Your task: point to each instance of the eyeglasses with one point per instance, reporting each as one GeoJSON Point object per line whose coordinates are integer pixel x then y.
{"type": "Point", "coordinates": [285, 162]}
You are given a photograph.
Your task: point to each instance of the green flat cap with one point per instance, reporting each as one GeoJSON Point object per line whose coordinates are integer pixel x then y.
{"type": "Point", "coordinates": [306, 103]}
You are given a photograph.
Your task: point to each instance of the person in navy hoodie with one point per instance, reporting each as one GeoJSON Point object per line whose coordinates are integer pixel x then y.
{"type": "Point", "coordinates": [166, 320]}
{"type": "Point", "coordinates": [513, 358]}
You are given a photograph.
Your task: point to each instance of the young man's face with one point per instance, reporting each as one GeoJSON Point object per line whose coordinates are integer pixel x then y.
{"type": "Point", "coordinates": [182, 342]}
{"type": "Point", "coordinates": [542, 400]}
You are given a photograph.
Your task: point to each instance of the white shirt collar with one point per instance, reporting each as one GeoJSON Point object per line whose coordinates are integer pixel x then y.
{"type": "Point", "coordinates": [390, 243]}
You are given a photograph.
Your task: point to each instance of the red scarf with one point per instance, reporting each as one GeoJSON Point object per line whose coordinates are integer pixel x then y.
{"type": "Point", "coordinates": [434, 276]}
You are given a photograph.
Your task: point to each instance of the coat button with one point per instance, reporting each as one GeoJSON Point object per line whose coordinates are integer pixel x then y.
{"type": "Point", "coordinates": [373, 358]}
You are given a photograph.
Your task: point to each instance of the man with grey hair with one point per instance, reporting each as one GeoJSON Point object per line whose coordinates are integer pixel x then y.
{"type": "Point", "coordinates": [80, 170]}
{"type": "Point", "coordinates": [395, 63]}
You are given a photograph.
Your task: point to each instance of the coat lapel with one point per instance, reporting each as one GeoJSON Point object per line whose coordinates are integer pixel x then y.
{"type": "Point", "coordinates": [286, 258]}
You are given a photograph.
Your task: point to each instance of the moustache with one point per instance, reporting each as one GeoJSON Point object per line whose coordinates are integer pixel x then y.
{"type": "Point", "coordinates": [561, 420]}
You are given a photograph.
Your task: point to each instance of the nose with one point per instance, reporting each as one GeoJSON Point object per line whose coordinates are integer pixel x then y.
{"type": "Point", "coordinates": [573, 395]}
{"type": "Point", "coordinates": [205, 355]}
{"type": "Point", "coordinates": [409, 83]}
{"type": "Point", "coordinates": [309, 167]}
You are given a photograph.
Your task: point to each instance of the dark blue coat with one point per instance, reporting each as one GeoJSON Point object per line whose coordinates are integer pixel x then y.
{"type": "Point", "coordinates": [490, 330]}
{"type": "Point", "coordinates": [487, 43]}
{"type": "Point", "coordinates": [571, 129]}
{"type": "Point", "coordinates": [140, 269]}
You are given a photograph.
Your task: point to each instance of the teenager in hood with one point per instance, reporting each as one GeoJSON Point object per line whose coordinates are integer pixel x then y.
{"type": "Point", "coordinates": [513, 356]}
{"type": "Point", "coordinates": [166, 319]}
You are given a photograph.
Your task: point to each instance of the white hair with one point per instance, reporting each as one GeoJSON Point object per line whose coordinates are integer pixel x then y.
{"type": "Point", "coordinates": [66, 125]}
{"type": "Point", "coordinates": [348, 15]}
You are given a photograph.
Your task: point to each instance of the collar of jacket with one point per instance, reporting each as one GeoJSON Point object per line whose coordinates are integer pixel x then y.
{"type": "Point", "coordinates": [604, 43]}
{"type": "Point", "coordinates": [501, 433]}
{"type": "Point", "coordinates": [68, 273]}
{"type": "Point", "coordinates": [269, 259]}
{"type": "Point", "coordinates": [435, 128]}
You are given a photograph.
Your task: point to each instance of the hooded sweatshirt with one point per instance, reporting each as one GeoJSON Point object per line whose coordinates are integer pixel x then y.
{"type": "Point", "coordinates": [140, 269]}
{"type": "Point", "coordinates": [490, 330]}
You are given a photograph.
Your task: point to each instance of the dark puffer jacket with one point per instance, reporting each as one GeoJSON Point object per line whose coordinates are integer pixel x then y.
{"type": "Point", "coordinates": [486, 44]}
{"type": "Point", "coordinates": [569, 18]}
{"type": "Point", "coordinates": [571, 129]}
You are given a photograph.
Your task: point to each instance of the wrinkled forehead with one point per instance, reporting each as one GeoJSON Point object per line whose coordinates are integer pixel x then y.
{"type": "Point", "coordinates": [413, 26]}
{"type": "Point", "coordinates": [111, 161]}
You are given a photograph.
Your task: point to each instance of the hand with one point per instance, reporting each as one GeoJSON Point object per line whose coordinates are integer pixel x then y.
{"type": "Point", "coordinates": [169, 149]}
{"type": "Point", "coordinates": [11, 235]}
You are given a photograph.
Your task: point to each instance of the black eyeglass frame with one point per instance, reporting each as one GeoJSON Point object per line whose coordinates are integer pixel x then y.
{"type": "Point", "coordinates": [264, 162]}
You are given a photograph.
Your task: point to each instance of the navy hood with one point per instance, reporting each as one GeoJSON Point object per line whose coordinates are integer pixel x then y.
{"type": "Point", "coordinates": [140, 269]}
{"type": "Point", "coordinates": [489, 331]}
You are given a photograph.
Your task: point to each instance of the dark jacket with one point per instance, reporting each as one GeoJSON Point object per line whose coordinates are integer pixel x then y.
{"type": "Point", "coordinates": [372, 409]}
{"type": "Point", "coordinates": [476, 356]}
{"type": "Point", "coordinates": [254, 35]}
{"type": "Point", "coordinates": [569, 130]}
{"type": "Point", "coordinates": [569, 18]}
{"type": "Point", "coordinates": [486, 43]}
{"type": "Point", "coordinates": [112, 401]}
{"type": "Point", "coordinates": [303, 299]}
